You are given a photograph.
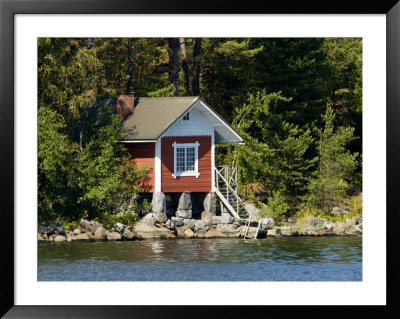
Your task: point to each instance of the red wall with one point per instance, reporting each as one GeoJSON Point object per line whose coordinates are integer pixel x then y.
{"type": "Point", "coordinates": [143, 154]}
{"type": "Point", "coordinates": [169, 184]}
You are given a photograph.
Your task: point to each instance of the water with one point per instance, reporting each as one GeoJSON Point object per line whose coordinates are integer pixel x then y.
{"type": "Point", "coordinates": [277, 259]}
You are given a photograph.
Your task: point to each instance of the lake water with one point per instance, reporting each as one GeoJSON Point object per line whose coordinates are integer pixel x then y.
{"type": "Point", "coordinates": [271, 259]}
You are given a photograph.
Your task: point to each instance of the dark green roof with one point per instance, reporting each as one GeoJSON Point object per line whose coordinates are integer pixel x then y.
{"type": "Point", "coordinates": [154, 115]}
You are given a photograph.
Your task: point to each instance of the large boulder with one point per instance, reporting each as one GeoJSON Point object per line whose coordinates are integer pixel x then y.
{"type": "Point", "coordinates": [189, 223]}
{"type": "Point", "coordinates": [177, 221]}
{"type": "Point", "coordinates": [315, 221]}
{"type": "Point", "coordinates": [100, 234]}
{"type": "Point", "coordinates": [146, 231]}
{"type": "Point", "coordinates": [184, 232]}
{"type": "Point", "coordinates": [113, 236]}
{"type": "Point", "coordinates": [267, 223]}
{"type": "Point", "coordinates": [254, 212]}
{"type": "Point", "coordinates": [160, 217]}
{"type": "Point", "coordinates": [184, 213]}
{"type": "Point", "coordinates": [209, 203]}
{"type": "Point", "coordinates": [289, 231]}
{"type": "Point", "coordinates": [274, 232]}
{"type": "Point", "coordinates": [83, 237]}
{"type": "Point", "coordinates": [128, 234]}
{"type": "Point", "coordinates": [60, 238]}
{"type": "Point", "coordinates": [184, 206]}
{"type": "Point", "coordinates": [351, 222]}
{"type": "Point", "coordinates": [339, 229]}
{"type": "Point", "coordinates": [149, 220]}
{"type": "Point", "coordinates": [230, 230]}
{"type": "Point", "coordinates": [200, 224]}
{"type": "Point", "coordinates": [86, 226]}
{"type": "Point", "coordinates": [207, 216]}
{"type": "Point", "coordinates": [214, 233]}
{"type": "Point", "coordinates": [225, 218]}
{"type": "Point", "coordinates": [158, 203]}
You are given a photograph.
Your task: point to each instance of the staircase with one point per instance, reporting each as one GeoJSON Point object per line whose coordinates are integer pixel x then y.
{"type": "Point", "coordinates": [226, 190]}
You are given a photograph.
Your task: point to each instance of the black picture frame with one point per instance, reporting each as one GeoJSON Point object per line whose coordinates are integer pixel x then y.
{"type": "Point", "coordinates": [9, 8]}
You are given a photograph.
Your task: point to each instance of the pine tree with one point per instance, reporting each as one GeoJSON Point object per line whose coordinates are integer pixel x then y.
{"type": "Point", "coordinates": [335, 165]}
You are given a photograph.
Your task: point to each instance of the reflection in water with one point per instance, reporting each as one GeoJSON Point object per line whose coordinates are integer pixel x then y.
{"type": "Point", "coordinates": [290, 259]}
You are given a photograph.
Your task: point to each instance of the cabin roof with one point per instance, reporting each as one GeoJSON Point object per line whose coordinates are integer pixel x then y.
{"type": "Point", "coordinates": [154, 115]}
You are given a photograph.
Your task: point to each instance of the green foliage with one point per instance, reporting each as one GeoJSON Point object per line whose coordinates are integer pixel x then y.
{"type": "Point", "coordinates": [274, 92]}
{"type": "Point", "coordinates": [108, 220]}
{"type": "Point", "coordinates": [276, 207]}
{"type": "Point", "coordinates": [336, 165]}
{"type": "Point", "coordinates": [274, 153]}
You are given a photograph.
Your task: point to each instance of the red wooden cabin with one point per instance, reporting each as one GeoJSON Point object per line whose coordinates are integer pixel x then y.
{"type": "Point", "coordinates": [175, 138]}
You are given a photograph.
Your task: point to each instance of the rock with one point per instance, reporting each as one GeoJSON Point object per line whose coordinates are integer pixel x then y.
{"type": "Point", "coordinates": [184, 213]}
{"type": "Point", "coordinates": [254, 212]}
{"type": "Point", "coordinates": [190, 223]}
{"type": "Point", "coordinates": [149, 220]}
{"type": "Point", "coordinates": [209, 203]}
{"type": "Point", "coordinates": [339, 212]}
{"type": "Point", "coordinates": [77, 231]}
{"type": "Point", "coordinates": [170, 224]}
{"type": "Point", "coordinates": [225, 218]}
{"type": "Point", "coordinates": [51, 237]}
{"type": "Point", "coordinates": [267, 223]}
{"type": "Point", "coordinates": [207, 216]}
{"type": "Point", "coordinates": [146, 231]}
{"type": "Point", "coordinates": [351, 222]}
{"type": "Point", "coordinates": [274, 232]}
{"type": "Point", "coordinates": [128, 235]}
{"type": "Point", "coordinates": [329, 226]}
{"type": "Point", "coordinates": [60, 238]}
{"type": "Point", "coordinates": [40, 237]}
{"type": "Point", "coordinates": [214, 233]}
{"type": "Point", "coordinates": [84, 236]}
{"type": "Point", "coordinates": [314, 221]}
{"type": "Point", "coordinates": [113, 236]}
{"type": "Point", "coordinates": [185, 201]}
{"type": "Point", "coordinates": [100, 234]}
{"type": "Point", "coordinates": [200, 224]}
{"type": "Point", "coordinates": [339, 229]}
{"type": "Point", "coordinates": [177, 221]}
{"type": "Point", "coordinates": [86, 226]}
{"type": "Point", "coordinates": [229, 230]}
{"type": "Point", "coordinates": [352, 230]}
{"type": "Point", "coordinates": [70, 236]}
{"type": "Point", "coordinates": [45, 237]}
{"type": "Point", "coordinates": [160, 217]}
{"type": "Point", "coordinates": [118, 227]}
{"type": "Point", "coordinates": [289, 231]}
{"type": "Point", "coordinates": [158, 203]}
{"type": "Point", "coordinates": [189, 233]}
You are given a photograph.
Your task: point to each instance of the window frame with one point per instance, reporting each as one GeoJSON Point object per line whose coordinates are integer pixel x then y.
{"type": "Point", "coordinates": [195, 172]}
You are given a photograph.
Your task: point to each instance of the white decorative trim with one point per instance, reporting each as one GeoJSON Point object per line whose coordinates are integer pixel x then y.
{"type": "Point", "coordinates": [212, 162]}
{"type": "Point", "coordinates": [196, 173]}
{"type": "Point", "coordinates": [157, 170]}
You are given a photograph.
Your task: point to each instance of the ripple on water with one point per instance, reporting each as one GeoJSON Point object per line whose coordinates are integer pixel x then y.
{"type": "Point", "coordinates": [279, 259]}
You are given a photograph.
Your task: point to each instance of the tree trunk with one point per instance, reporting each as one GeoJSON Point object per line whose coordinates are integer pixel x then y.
{"type": "Point", "coordinates": [173, 50]}
{"type": "Point", "coordinates": [129, 69]}
{"type": "Point", "coordinates": [196, 67]}
{"type": "Point", "coordinates": [185, 66]}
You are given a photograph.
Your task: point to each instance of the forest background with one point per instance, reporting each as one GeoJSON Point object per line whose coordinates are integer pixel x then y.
{"type": "Point", "coordinates": [297, 103]}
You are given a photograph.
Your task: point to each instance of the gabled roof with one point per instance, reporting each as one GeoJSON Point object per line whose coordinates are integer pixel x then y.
{"type": "Point", "coordinates": [154, 115]}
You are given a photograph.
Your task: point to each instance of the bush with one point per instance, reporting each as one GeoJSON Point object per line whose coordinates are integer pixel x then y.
{"type": "Point", "coordinates": [277, 206]}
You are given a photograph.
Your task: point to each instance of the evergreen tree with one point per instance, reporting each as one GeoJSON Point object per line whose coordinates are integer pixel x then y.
{"type": "Point", "coordinates": [335, 165]}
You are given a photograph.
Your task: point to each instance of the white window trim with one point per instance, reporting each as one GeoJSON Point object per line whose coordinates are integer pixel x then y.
{"type": "Point", "coordinates": [196, 173]}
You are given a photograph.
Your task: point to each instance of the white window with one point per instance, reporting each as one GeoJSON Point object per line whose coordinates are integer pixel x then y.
{"type": "Point", "coordinates": [186, 159]}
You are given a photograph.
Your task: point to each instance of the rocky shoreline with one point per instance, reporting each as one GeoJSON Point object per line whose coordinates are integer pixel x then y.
{"type": "Point", "coordinates": [157, 226]}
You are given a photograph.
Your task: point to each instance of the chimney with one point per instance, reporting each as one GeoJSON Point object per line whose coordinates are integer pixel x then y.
{"type": "Point", "coordinates": [125, 104]}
